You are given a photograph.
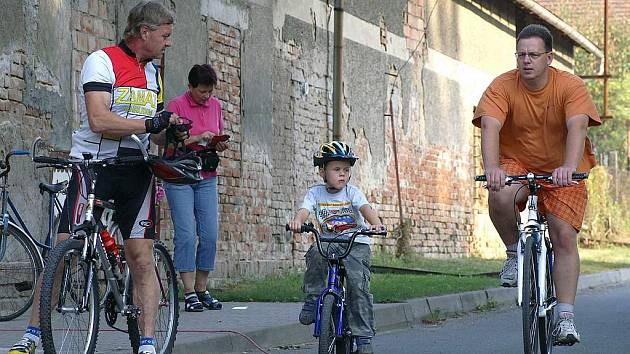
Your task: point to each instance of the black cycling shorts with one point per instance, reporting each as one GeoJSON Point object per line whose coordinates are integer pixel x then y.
{"type": "Point", "coordinates": [129, 187]}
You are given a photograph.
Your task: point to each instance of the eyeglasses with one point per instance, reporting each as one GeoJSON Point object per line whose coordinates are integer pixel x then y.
{"type": "Point", "coordinates": [531, 55]}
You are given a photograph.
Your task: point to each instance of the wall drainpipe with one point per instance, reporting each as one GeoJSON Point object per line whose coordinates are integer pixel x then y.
{"type": "Point", "coordinates": [395, 148]}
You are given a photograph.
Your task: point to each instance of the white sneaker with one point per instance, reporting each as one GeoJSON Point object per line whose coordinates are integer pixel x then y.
{"type": "Point", "coordinates": [509, 273]}
{"type": "Point", "coordinates": [565, 333]}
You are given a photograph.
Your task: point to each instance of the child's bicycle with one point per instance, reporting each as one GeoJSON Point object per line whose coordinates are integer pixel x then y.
{"type": "Point", "coordinates": [331, 325]}
{"type": "Point", "coordinates": [536, 291]}
{"type": "Point", "coordinates": [70, 300]}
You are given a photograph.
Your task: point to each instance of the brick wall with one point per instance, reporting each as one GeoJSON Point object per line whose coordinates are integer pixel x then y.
{"type": "Point", "coordinates": [260, 192]}
{"type": "Point", "coordinates": [436, 194]}
{"type": "Point", "coordinates": [21, 122]}
{"type": "Point", "coordinates": [93, 28]}
{"type": "Point", "coordinates": [618, 9]}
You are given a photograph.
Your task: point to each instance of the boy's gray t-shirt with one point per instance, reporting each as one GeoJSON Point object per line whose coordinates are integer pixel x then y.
{"type": "Point", "coordinates": [337, 212]}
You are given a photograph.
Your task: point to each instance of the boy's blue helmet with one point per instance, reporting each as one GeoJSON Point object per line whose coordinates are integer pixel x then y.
{"type": "Point", "coordinates": [334, 151]}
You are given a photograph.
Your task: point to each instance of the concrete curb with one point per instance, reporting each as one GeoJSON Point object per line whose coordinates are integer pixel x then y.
{"type": "Point", "coordinates": [388, 316]}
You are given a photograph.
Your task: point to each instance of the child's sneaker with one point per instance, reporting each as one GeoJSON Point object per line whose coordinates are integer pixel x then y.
{"type": "Point", "coordinates": [24, 346]}
{"type": "Point", "coordinates": [307, 315]}
{"type": "Point", "coordinates": [364, 345]}
{"type": "Point", "coordinates": [192, 303]}
{"type": "Point", "coordinates": [208, 301]}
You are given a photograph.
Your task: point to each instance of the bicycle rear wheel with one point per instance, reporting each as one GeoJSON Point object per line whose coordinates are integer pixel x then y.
{"type": "Point", "coordinates": [167, 317]}
{"type": "Point", "coordinates": [530, 298]}
{"type": "Point", "coordinates": [20, 267]}
{"type": "Point", "coordinates": [545, 324]}
{"type": "Point", "coordinates": [68, 326]}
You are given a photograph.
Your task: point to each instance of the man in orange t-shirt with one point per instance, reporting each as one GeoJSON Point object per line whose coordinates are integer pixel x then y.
{"type": "Point", "coordinates": [534, 119]}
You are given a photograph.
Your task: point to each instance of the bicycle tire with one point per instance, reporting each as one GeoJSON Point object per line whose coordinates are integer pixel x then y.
{"type": "Point", "coordinates": [545, 324]}
{"type": "Point", "coordinates": [327, 326]}
{"type": "Point", "coordinates": [18, 247]}
{"type": "Point", "coordinates": [343, 345]}
{"type": "Point", "coordinates": [68, 253]}
{"type": "Point", "coordinates": [167, 316]}
{"type": "Point", "coordinates": [132, 324]}
{"type": "Point", "coordinates": [529, 306]}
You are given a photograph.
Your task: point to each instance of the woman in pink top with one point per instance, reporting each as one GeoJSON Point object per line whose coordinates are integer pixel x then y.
{"type": "Point", "coordinates": [194, 208]}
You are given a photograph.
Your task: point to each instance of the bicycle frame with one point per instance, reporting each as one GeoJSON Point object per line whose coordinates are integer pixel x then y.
{"type": "Point", "coordinates": [93, 251]}
{"type": "Point", "coordinates": [10, 213]}
{"type": "Point", "coordinates": [335, 273]}
{"type": "Point", "coordinates": [536, 228]}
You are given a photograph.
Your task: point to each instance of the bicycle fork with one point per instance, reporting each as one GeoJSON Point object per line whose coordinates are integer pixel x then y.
{"type": "Point", "coordinates": [538, 230]}
{"type": "Point", "coordinates": [331, 289]}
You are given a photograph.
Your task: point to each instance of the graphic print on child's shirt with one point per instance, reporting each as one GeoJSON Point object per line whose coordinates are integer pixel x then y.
{"type": "Point", "coordinates": [336, 217]}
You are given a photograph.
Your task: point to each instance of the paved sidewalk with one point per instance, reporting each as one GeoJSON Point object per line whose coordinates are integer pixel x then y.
{"type": "Point", "coordinates": [275, 324]}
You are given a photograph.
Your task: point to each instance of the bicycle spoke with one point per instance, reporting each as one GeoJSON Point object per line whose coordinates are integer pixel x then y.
{"type": "Point", "coordinates": [166, 319]}
{"type": "Point", "coordinates": [20, 266]}
{"type": "Point", "coordinates": [68, 326]}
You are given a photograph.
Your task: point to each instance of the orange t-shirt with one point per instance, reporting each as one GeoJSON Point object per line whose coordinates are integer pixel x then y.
{"type": "Point", "coordinates": [534, 130]}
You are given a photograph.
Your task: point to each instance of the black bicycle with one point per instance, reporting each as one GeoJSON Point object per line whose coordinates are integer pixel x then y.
{"type": "Point", "coordinates": [70, 301]}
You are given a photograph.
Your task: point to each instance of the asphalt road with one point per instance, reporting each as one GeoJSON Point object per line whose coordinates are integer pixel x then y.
{"type": "Point", "coordinates": [602, 318]}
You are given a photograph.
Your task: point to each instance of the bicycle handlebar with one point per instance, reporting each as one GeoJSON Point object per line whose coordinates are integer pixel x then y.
{"type": "Point", "coordinates": [509, 179]}
{"type": "Point", "coordinates": [6, 166]}
{"type": "Point", "coordinates": [59, 162]}
{"type": "Point", "coordinates": [342, 238]}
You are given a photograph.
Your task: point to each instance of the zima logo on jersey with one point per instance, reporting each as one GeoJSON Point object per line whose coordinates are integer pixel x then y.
{"type": "Point", "coordinates": [139, 101]}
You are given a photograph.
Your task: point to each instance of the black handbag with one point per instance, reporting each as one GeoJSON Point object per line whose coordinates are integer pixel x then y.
{"type": "Point", "coordinates": [209, 160]}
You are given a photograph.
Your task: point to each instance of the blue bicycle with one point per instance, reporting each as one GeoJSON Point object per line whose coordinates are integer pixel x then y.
{"type": "Point", "coordinates": [331, 325]}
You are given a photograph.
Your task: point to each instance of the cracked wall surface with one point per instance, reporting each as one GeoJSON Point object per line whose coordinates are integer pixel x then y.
{"type": "Point", "coordinates": [274, 62]}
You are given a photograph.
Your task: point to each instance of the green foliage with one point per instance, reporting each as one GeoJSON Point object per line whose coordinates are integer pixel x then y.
{"type": "Point", "coordinates": [464, 266]}
{"type": "Point", "coordinates": [386, 288]}
{"type": "Point", "coordinates": [605, 220]}
{"type": "Point", "coordinates": [612, 135]}
{"type": "Point", "coordinates": [434, 317]}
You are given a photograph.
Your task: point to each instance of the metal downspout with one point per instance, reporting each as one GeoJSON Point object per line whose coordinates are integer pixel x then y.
{"type": "Point", "coordinates": [395, 151]}
{"type": "Point", "coordinates": [338, 70]}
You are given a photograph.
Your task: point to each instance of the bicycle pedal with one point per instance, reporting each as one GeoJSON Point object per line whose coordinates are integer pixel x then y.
{"type": "Point", "coordinates": [550, 303]}
{"type": "Point", "coordinates": [132, 310]}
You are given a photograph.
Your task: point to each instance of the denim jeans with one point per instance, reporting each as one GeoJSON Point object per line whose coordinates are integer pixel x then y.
{"type": "Point", "coordinates": [195, 214]}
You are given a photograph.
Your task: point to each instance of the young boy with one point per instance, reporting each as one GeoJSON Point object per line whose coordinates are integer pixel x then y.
{"type": "Point", "coordinates": [339, 207]}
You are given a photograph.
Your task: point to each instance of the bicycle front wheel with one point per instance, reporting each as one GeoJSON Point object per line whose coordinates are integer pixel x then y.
{"type": "Point", "coordinates": [530, 298]}
{"type": "Point", "coordinates": [545, 324]}
{"type": "Point", "coordinates": [69, 307]}
{"type": "Point", "coordinates": [327, 326]}
{"type": "Point", "coordinates": [20, 267]}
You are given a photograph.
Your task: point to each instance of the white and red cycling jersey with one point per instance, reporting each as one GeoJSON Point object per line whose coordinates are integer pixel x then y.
{"type": "Point", "coordinates": [136, 93]}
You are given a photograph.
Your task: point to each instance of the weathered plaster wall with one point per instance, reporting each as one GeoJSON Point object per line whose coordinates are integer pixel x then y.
{"type": "Point", "coordinates": [274, 62]}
